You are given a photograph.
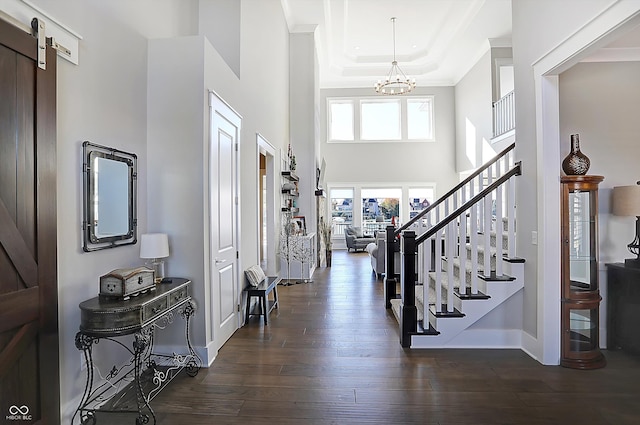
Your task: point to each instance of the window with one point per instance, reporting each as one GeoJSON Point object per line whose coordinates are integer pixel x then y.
{"type": "Point", "coordinates": [380, 207]}
{"type": "Point", "coordinates": [419, 119]}
{"type": "Point", "coordinates": [419, 199]}
{"type": "Point", "coordinates": [341, 210]}
{"type": "Point", "coordinates": [341, 120]}
{"type": "Point", "coordinates": [380, 120]}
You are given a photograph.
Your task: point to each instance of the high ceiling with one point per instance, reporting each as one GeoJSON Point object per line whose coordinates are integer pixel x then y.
{"type": "Point", "coordinates": [437, 41]}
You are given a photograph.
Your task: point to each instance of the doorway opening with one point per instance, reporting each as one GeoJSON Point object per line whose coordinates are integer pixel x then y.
{"type": "Point", "coordinates": [266, 201]}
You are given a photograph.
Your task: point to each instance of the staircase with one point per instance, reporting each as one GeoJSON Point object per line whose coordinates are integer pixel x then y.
{"type": "Point", "coordinates": [468, 233]}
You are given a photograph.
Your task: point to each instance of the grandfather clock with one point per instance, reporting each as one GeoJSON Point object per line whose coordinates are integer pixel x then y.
{"type": "Point", "coordinates": [579, 274]}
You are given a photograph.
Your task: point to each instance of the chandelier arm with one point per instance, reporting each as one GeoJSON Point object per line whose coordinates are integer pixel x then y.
{"type": "Point", "coordinates": [390, 76]}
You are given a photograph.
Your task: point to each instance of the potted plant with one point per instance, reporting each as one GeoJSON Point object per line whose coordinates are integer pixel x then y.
{"type": "Point", "coordinates": [325, 230]}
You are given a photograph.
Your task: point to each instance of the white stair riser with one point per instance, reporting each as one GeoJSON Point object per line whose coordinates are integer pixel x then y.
{"type": "Point", "coordinates": [474, 310]}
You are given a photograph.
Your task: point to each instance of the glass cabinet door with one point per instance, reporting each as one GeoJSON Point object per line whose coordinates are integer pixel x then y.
{"type": "Point", "coordinates": [581, 241]}
{"type": "Point", "coordinates": [583, 329]}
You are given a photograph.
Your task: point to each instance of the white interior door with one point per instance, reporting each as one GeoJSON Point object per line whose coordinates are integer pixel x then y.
{"type": "Point", "coordinates": [223, 186]}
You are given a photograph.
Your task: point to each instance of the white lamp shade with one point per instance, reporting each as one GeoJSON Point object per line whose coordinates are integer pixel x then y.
{"type": "Point", "coordinates": [154, 245]}
{"type": "Point", "coordinates": [626, 200]}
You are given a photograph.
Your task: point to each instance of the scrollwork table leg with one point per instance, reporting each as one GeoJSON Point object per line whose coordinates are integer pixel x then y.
{"type": "Point", "coordinates": [85, 343]}
{"type": "Point", "coordinates": [193, 365]}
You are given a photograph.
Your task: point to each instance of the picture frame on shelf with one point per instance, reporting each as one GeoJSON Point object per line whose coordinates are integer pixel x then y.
{"type": "Point", "coordinates": [301, 224]}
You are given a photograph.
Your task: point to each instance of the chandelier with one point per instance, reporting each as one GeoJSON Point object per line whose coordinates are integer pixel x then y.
{"type": "Point", "coordinates": [400, 84]}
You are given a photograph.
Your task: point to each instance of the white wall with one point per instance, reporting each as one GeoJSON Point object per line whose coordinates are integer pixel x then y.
{"type": "Point", "coordinates": [263, 102]}
{"type": "Point", "coordinates": [303, 68]}
{"type": "Point", "coordinates": [180, 69]}
{"type": "Point", "coordinates": [219, 21]}
{"type": "Point", "coordinates": [389, 162]}
{"type": "Point", "coordinates": [104, 100]}
{"type": "Point", "coordinates": [474, 117]}
{"type": "Point", "coordinates": [600, 102]}
{"type": "Point", "coordinates": [181, 72]}
{"type": "Point", "coordinates": [538, 28]}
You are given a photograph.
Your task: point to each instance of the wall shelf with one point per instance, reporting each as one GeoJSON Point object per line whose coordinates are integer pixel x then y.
{"type": "Point", "coordinates": [291, 209]}
{"type": "Point", "coordinates": [290, 175]}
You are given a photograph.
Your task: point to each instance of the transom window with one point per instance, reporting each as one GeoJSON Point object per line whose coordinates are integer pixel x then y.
{"type": "Point", "coordinates": [341, 120]}
{"type": "Point", "coordinates": [371, 119]}
{"type": "Point", "coordinates": [380, 120]}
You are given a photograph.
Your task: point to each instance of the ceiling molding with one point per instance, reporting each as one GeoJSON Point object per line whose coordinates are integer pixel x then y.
{"type": "Point", "coordinates": [615, 54]}
{"type": "Point", "coordinates": [500, 42]}
{"type": "Point", "coordinates": [436, 40]}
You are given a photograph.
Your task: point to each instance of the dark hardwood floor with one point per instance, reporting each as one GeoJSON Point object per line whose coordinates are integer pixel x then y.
{"type": "Point", "coordinates": [330, 355]}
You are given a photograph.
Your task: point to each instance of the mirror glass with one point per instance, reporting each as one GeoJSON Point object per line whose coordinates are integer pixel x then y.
{"type": "Point", "coordinates": [109, 197]}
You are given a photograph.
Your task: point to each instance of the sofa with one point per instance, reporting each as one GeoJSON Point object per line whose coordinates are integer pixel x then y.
{"type": "Point", "coordinates": [356, 239]}
{"type": "Point", "coordinates": [378, 254]}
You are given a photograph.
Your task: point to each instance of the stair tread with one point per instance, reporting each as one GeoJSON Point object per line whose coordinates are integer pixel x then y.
{"type": "Point", "coordinates": [395, 307]}
{"type": "Point", "coordinates": [497, 251]}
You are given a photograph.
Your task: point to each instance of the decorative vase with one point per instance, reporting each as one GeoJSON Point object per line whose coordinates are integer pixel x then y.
{"type": "Point", "coordinates": [328, 253]}
{"type": "Point", "coordinates": [576, 163]}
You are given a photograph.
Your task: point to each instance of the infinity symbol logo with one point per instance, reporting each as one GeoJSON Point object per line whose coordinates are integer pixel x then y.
{"type": "Point", "coordinates": [14, 410]}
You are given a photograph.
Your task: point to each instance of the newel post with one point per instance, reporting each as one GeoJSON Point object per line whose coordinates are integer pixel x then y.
{"type": "Point", "coordinates": [389, 269]}
{"type": "Point", "coordinates": [408, 311]}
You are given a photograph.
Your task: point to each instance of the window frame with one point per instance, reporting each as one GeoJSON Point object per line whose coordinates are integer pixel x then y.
{"type": "Point", "coordinates": [341, 100]}
{"type": "Point", "coordinates": [357, 102]}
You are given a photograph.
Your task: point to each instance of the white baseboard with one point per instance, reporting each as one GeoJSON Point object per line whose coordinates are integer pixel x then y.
{"type": "Point", "coordinates": [475, 338]}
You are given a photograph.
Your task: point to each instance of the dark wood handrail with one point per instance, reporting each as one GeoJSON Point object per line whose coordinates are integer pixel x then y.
{"type": "Point", "coordinates": [515, 171]}
{"type": "Point", "coordinates": [455, 189]}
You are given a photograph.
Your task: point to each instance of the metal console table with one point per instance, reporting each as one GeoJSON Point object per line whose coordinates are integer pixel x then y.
{"type": "Point", "coordinates": [131, 386]}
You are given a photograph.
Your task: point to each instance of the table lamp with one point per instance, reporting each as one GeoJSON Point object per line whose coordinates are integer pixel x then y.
{"type": "Point", "coordinates": [155, 247]}
{"type": "Point", "coordinates": [626, 202]}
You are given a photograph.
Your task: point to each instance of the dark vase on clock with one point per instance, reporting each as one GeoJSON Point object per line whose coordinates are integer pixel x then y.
{"type": "Point", "coordinates": [576, 163]}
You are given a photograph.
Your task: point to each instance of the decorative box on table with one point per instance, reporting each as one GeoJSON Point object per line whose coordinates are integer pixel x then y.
{"type": "Point", "coordinates": [124, 283]}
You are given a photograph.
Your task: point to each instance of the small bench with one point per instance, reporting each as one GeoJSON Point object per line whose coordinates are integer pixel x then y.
{"type": "Point", "coordinates": [262, 291]}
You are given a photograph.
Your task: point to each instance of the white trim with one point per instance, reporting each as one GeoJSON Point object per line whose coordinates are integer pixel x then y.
{"type": "Point", "coordinates": [601, 30]}
{"type": "Point", "coordinates": [500, 42]}
{"type": "Point", "coordinates": [266, 148]}
{"type": "Point", "coordinates": [548, 196]}
{"type": "Point", "coordinates": [475, 338]}
{"type": "Point", "coordinates": [357, 195]}
{"type": "Point", "coordinates": [530, 346]}
{"type": "Point", "coordinates": [619, 54]}
{"type": "Point", "coordinates": [218, 104]}
{"type": "Point", "coordinates": [357, 101]}
{"type": "Point", "coordinates": [509, 136]}
{"type": "Point", "coordinates": [24, 11]}
{"type": "Point", "coordinates": [208, 354]}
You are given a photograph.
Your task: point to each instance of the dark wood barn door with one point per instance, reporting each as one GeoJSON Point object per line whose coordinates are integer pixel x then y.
{"type": "Point", "coordinates": [29, 371]}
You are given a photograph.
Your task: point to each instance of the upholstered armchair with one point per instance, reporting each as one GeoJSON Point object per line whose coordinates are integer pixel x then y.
{"type": "Point", "coordinates": [356, 239]}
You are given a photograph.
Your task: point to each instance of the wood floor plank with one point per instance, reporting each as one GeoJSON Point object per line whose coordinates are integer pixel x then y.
{"type": "Point", "coordinates": [331, 355]}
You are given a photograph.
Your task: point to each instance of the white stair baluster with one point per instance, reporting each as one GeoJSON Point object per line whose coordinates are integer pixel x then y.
{"type": "Point", "coordinates": [473, 244]}
{"type": "Point", "coordinates": [450, 246]}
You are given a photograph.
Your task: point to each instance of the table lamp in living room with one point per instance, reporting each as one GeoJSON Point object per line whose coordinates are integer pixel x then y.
{"type": "Point", "coordinates": [154, 247]}
{"type": "Point", "coordinates": [626, 202]}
